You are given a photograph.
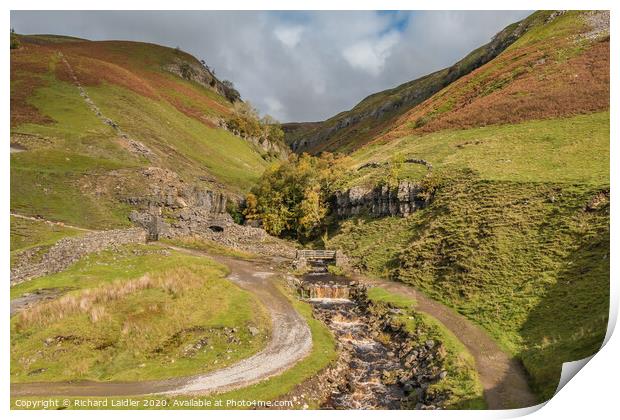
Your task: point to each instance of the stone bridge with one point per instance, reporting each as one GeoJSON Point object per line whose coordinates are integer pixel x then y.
{"type": "Point", "coordinates": [305, 257]}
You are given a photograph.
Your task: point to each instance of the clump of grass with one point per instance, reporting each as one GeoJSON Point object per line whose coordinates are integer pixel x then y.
{"type": "Point", "coordinates": [202, 244]}
{"type": "Point", "coordinates": [92, 301]}
{"type": "Point", "coordinates": [336, 270]}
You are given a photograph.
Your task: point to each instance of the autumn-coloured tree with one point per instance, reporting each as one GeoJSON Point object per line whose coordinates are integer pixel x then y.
{"type": "Point", "coordinates": [292, 197]}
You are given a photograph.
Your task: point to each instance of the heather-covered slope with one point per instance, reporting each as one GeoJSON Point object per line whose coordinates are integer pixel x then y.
{"type": "Point", "coordinates": [549, 65]}
{"type": "Point", "coordinates": [88, 118]}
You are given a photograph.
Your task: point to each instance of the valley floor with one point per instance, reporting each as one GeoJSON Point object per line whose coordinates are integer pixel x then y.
{"type": "Point", "coordinates": [291, 351]}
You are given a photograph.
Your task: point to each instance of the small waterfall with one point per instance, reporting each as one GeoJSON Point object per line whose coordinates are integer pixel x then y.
{"type": "Point", "coordinates": [367, 360]}
{"type": "Point", "coordinates": [317, 286]}
{"type": "Point", "coordinates": [316, 291]}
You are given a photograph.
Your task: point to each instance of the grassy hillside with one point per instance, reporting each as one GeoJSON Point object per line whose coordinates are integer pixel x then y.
{"type": "Point", "coordinates": [159, 97]}
{"type": "Point", "coordinates": [133, 314]}
{"type": "Point", "coordinates": [560, 67]}
{"type": "Point", "coordinates": [574, 149]}
{"type": "Point", "coordinates": [549, 65]}
{"type": "Point", "coordinates": [516, 237]}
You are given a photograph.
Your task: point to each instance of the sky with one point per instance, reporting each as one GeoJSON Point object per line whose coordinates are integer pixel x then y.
{"type": "Point", "coordinates": [294, 65]}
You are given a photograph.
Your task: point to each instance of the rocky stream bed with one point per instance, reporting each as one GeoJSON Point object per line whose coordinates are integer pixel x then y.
{"type": "Point", "coordinates": [381, 365]}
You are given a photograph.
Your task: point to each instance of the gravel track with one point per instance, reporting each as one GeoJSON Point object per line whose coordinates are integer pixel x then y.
{"type": "Point", "coordinates": [290, 342]}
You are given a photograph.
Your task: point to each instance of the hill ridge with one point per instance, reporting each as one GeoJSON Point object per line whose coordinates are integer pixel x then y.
{"type": "Point", "coordinates": [542, 44]}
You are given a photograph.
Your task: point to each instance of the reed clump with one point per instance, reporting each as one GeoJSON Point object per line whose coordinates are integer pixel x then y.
{"type": "Point", "coordinates": [93, 301]}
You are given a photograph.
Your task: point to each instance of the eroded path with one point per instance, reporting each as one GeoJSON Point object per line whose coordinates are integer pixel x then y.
{"type": "Point", "coordinates": [290, 342]}
{"type": "Point", "coordinates": [503, 378]}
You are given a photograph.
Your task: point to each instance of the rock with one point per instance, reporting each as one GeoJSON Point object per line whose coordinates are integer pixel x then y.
{"type": "Point", "coordinates": [380, 201]}
{"type": "Point", "coordinates": [253, 331]}
{"type": "Point", "coordinates": [36, 371]}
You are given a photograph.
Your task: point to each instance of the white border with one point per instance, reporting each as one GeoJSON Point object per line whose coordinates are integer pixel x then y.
{"type": "Point", "coordinates": [593, 391]}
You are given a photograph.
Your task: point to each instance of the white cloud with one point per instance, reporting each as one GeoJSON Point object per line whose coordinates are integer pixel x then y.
{"type": "Point", "coordinates": [289, 35]}
{"type": "Point", "coordinates": [274, 106]}
{"type": "Point", "coordinates": [370, 55]}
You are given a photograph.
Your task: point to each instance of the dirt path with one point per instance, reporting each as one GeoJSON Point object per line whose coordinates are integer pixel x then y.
{"type": "Point", "coordinates": [30, 299]}
{"type": "Point", "coordinates": [60, 224]}
{"type": "Point", "coordinates": [291, 341]}
{"type": "Point", "coordinates": [503, 378]}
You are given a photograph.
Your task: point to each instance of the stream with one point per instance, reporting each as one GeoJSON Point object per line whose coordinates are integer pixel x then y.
{"type": "Point", "coordinates": [364, 384]}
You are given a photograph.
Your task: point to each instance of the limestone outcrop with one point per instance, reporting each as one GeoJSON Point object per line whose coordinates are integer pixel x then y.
{"type": "Point", "coordinates": [380, 201]}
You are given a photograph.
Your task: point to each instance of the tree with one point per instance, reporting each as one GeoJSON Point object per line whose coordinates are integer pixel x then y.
{"type": "Point", "coordinates": [292, 197]}
{"type": "Point", "coordinates": [14, 40]}
{"type": "Point", "coordinates": [251, 208]}
{"type": "Point", "coordinates": [395, 168]}
{"type": "Point", "coordinates": [230, 92]}
{"type": "Point", "coordinates": [245, 109]}
{"type": "Point", "coordinates": [271, 128]}
{"type": "Point", "coordinates": [312, 211]}
{"type": "Point", "coordinates": [276, 134]}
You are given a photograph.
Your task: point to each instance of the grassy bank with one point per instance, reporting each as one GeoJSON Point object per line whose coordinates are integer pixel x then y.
{"type": "Point", "coordinates": [571, 150]}
{"type": "Point", "coordinates": [461, 382]}
{"type": "Point", "coordinates": [323, 353]}
{"type": "Point", "coordinates": [527, 261]}
{"type": "Point", "coordinates": [141, 313]}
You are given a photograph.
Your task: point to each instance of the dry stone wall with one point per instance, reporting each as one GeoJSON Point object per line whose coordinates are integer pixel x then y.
{"type": "Point", "coordinates": [69, 250]}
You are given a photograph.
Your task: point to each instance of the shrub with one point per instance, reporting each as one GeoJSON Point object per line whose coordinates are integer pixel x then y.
{"type": "Point", "coordinates": [14, 40]}
{"type": "Point", "coordinates": [336, 270]}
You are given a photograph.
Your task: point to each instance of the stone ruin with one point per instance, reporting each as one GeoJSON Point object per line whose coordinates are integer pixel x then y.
{"type": "Point", "coordinates": [175, 209]}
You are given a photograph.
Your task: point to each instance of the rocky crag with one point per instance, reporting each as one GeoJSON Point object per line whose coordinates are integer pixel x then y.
{"type": "Point", "coordinates": [274, 149]}
{"type": "Point", "coordinates": [164, 207]}
{"type": "Point", "coordinates": [189, 69]}
{"type": "Point", "coordinates": [204, 76]}
{"type": "Point", "coordinates": [381, 201]}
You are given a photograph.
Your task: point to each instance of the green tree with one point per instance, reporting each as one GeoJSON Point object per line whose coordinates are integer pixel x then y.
{"type": "Point", "coordinates": [14, 40]}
